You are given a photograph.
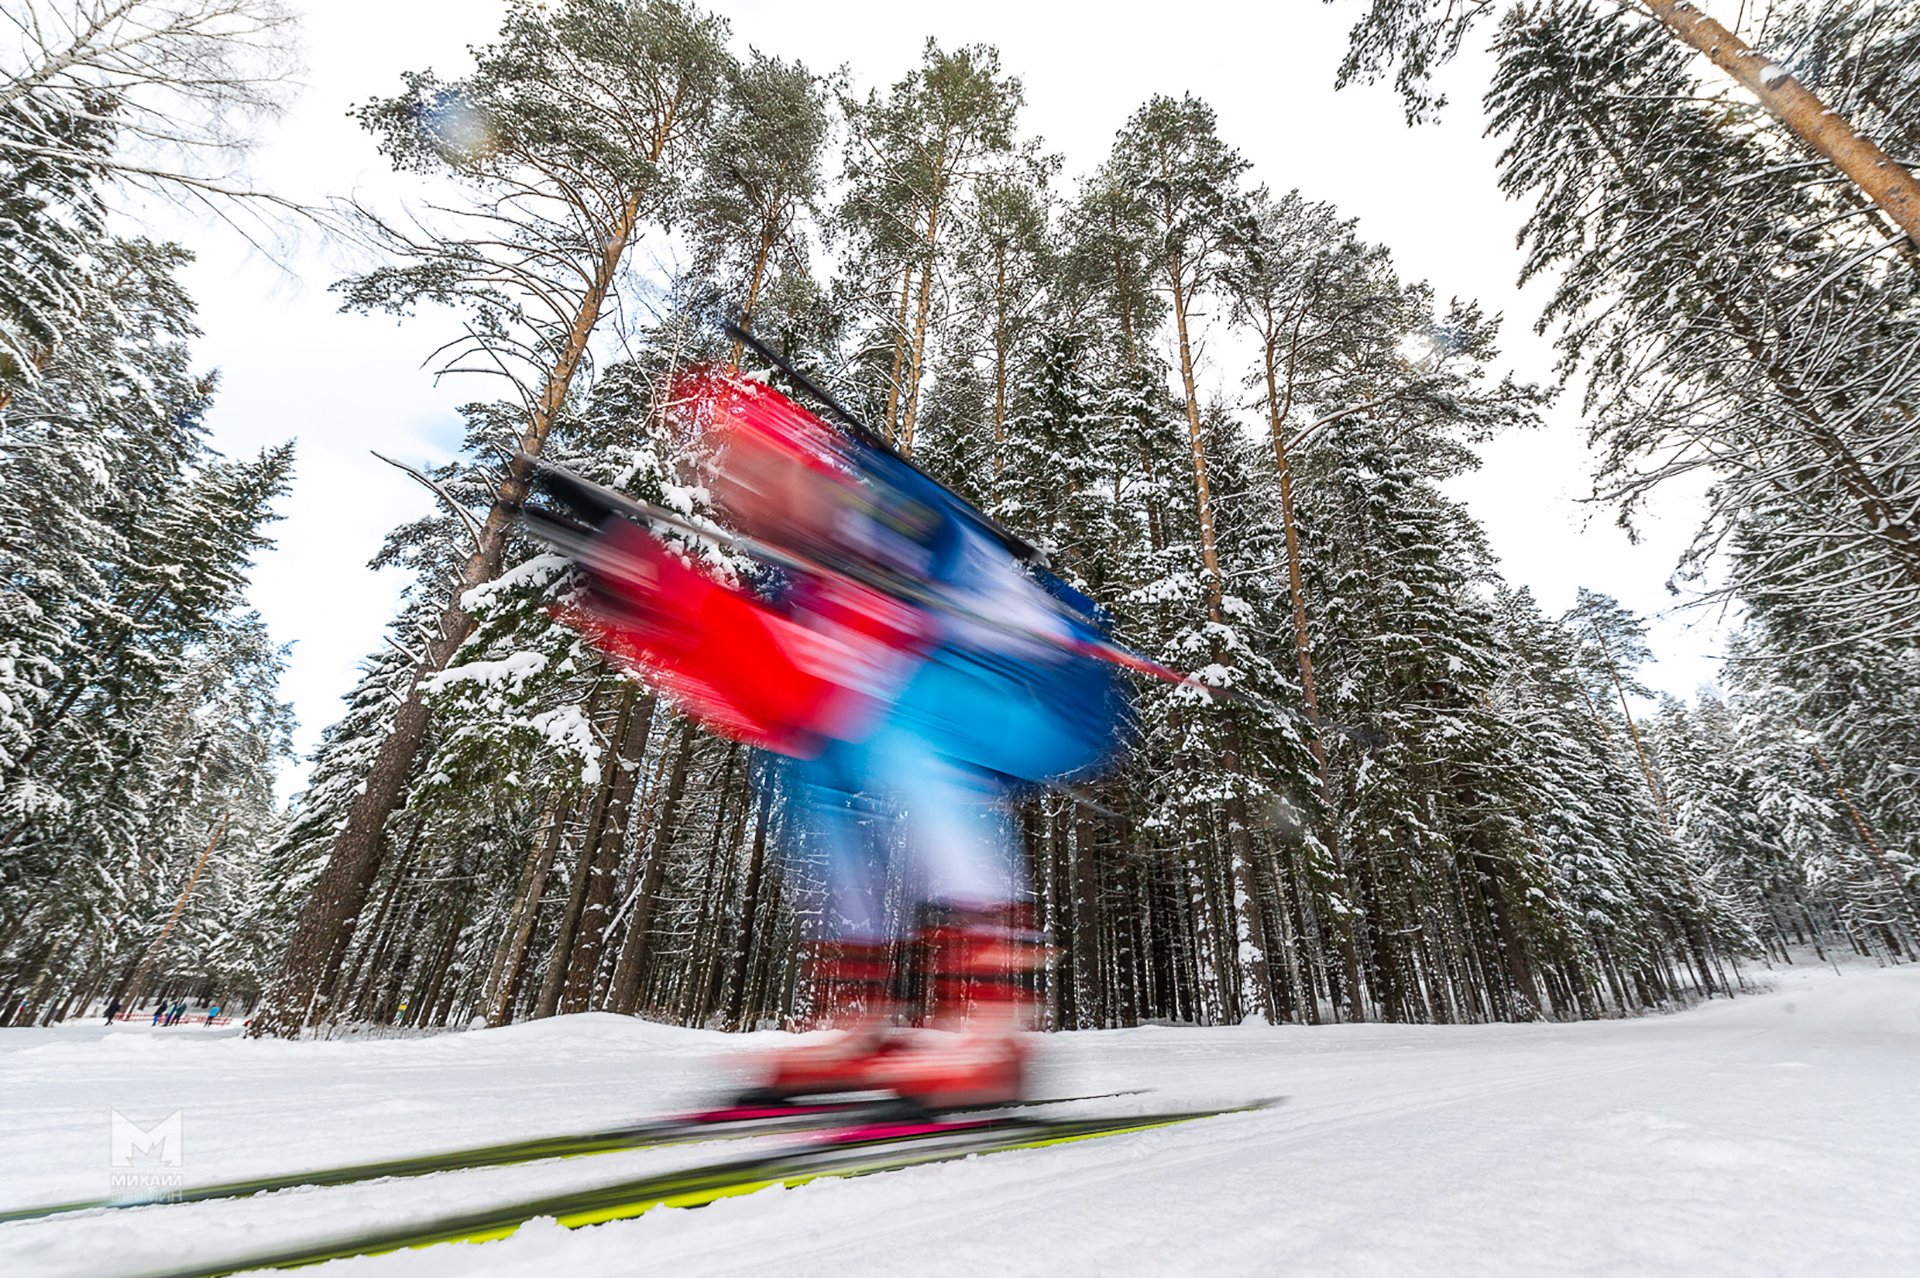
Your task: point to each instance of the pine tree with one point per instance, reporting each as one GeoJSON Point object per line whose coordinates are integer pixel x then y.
{"type": "Point", "coordinates": [572, 131]}
{"type": "Point", "coordinates": [1193, 213]}
{"type": "Point", "coordinates": [759, 184]}
{"type": "Point", "coordinates": [912, 160]}
{"type": "Point", "coordinates": [1007, 271]}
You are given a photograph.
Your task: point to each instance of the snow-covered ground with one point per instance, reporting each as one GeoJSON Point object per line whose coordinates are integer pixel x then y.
{"type": "Point", "coordinates": [1773, 1134]}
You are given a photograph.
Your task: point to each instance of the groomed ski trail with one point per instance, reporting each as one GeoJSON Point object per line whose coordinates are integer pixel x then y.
{"type": "Point", "coordinates": [1773, 1134]}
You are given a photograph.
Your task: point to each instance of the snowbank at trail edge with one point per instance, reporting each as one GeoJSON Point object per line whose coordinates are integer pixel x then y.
{"type": "Point", "coordinates": [1771, 1134]}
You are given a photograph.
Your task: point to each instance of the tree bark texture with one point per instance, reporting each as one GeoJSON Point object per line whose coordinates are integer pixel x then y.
{"type": "Point", "coordinates": [1885, 180]}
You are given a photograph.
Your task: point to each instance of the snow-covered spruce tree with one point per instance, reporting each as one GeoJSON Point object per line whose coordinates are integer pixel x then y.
{"type": "Point", "coordinates": [212, 829]}
{"type": "Point", "coordinates": [1826, 729]}
{"type": "Point", "coordinates": [52, 217]}
{"type": "Point", "coordinates": [1626, 901]}
{"type": "Point", "coordinates": [113, 399]}
{"type": "Point", "coordinates": [125, 543]}
{"type": "Point", "coordinates": [1610, 647]}
{"type": "Point", "coordinates": [572, 134]}
{"type": "Point", "coordinates": [100, 97]}
{"type": "Point", "coordinates": [1731, 316]}
{"type": "Point", "coordinates": [1858, 696]}
{"type": "Point", "coordinates": [622, 437]}
{"type": "Point", "coordinates": [1582, 914]}
{"type": "Point", "coordinates": [1284, 879]}
{"type": "Point", "coordinates": [1065, 474]}
{"type": "Point", "coordinates": [1087, 462]}
{"type": "Point", "coordinates": [1712, 790]}
{"type": "Point", "coordinates": [175, 723]}
{"type": "Point", "coordinates": [1142, 896]}
{"type": "Point", "coordinates": [1424, 802]}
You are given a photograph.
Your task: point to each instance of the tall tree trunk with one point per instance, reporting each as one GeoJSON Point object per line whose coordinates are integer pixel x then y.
{"type": "Point", "coordinates": [1277, 413]}
{"type": "Point", "coordinates": [513, 949]}
{"type": "Point", "coordinates": [916, 363]}
{"type": "Point", "coordinates": [138, 985]}
{"type": "Point", "coordinates": [897, 368]}
{"type": "Point", "coordinates": [1249, 919]}
{"type": "Point", "coordinates": [738, 996]}
{"type": "Point", "coordinates": [630, 975]}
{"type": "Point", "coordinates": [561, 964]}
{"type": "Point", "coordinates": [1203, 492]}
{"type": "Point", "coordinates": [589, 942]}
{"type": "Point", "coordinates": [1089, 1009]}
{"type": "Point", "coordinates": [999, 360]}
{"type": "Point", "coordinates": [762, 251]}
{"type": "Point", "coordinates": [427, 1008]}
{"type": "Point", "coordinates": [349, 983]}
{"type": "Point", "coordinates": [1884, 179]}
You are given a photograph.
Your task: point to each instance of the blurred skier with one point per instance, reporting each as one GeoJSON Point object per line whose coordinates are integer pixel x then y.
{"type": "Point", "coordinates": [913, 673]}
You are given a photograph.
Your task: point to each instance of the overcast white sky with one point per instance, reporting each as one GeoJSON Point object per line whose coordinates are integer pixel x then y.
{"type": "Point", "coordinates": [292, 366]}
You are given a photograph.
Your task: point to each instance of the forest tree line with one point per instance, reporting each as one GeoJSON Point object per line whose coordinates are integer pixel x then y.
{"type": "Point", "coordinates": [1432, 800]}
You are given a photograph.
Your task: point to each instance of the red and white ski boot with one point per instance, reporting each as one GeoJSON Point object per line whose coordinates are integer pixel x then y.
{"type": "Point", "coordinates": [853, 983]}
{"type": "Point", "coordinates": [980, 968]}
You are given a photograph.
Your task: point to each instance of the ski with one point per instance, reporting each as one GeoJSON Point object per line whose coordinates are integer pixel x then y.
{"type": "Point", "coordinates": [856, 1150]}
{"type": "Point", "coordinates": [732, 1122]}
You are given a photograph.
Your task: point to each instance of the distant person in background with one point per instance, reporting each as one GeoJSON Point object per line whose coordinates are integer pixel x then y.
{"type": "Point", "coordinates": [113, 1010]}
{"type": "Point", "coordinates": [212, 1013]}
{"type": "Point", "coordinates": [159, 1013]}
